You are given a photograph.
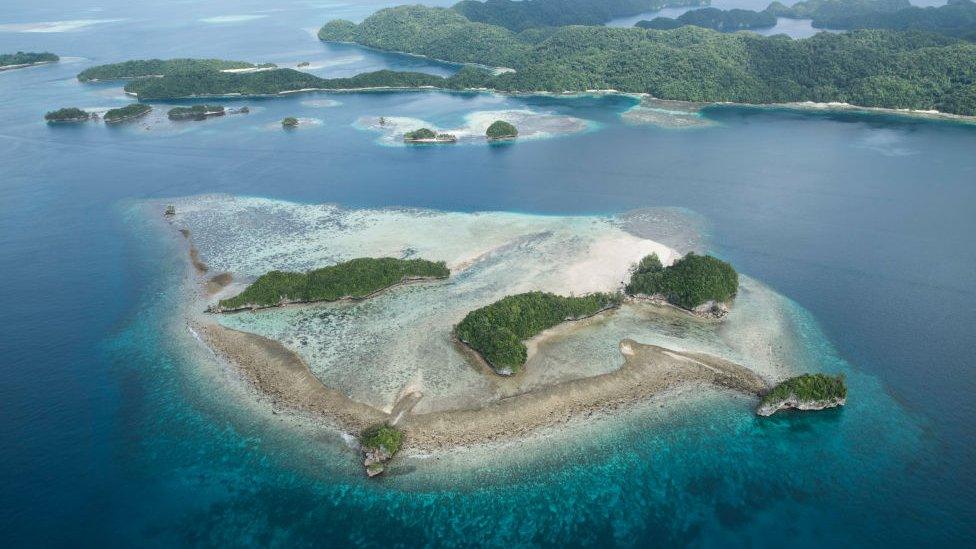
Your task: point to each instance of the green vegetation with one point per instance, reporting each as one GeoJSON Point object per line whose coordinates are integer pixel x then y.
{"type": "Point", "coordinates": [128, 112]}
{"type": "Point", "coordinates": [817, 9]}
{"type": "Point", "coordinates": [807, 388]}
{"type": "Point", "coordinates": [500, 129]}
{"type": "Point", "coordinates": [196, 112]}
{"type": "Point", "coordinates": [357, 278]}
{"type": "Point", "coordinates": [688, 283]}
{"type": "Point", "coordinates": [957, 18]}
{"type": "Point", "coordinates": [159, 67]}
{"type": "Point", "coordinates": [383, 436]}
{"type": "Point", "coordinates": [270, 82]}
{"type": "Point", "coordinates": [26, 58]}
{"type": "Point", "coordinates": [422, 133]}
{"type": "Point", "coordinates": [496, 331]}
{"type": "Point", "coordinates": [519, 15]}
{"type": "Point", "coordinates": [67, 114]}
{"type": "Point", "coordinates": [715, 19]}
{"type": "Point", "coordinates": [289, 122]}
{"type": "Point", "coordinates": [872, 68]}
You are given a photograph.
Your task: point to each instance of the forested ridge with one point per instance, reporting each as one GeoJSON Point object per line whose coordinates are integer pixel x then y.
{"type": "Point", "coordinates": [873, 68]}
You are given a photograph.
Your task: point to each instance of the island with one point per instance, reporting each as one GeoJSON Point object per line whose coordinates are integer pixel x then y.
{"type": "Point", "coordinates": [499, 130]}
{"type": "Point", "coordinates": [289, 122]}
{"type": "Point", "coordinates": [68, 115]}
{"type": "Point", "coordinates": [956, 18]}
{"type": "Point", "coordinates": [379, 443]}
{"type": "Point", "coordinates": [196, 112]}
{"type": "Point", "coordinates": [276, 82]}
{"type": "Point", "coordinates": [355, 279]}
{"type": "Point", "coordinates": [519, 15]}
{"type": "Point", "coordinates": [128, 112]}
{"type": "Point", "coordinates": [700, 284]}
{"type": "Point", "coordinates": [805, 392]}
{"type": "Point", "coordinates": [153, 68]}
{"type": "Point", "coordinates": [496, 332]}
{"type": "Point", "coordinates": [426, 135]}
{"type": "Point", "coordinates": [22, 59]}
{"type": "Point", "coordinates": [712, 18]}
{"type": "Point", "coordinates": [868, 68]}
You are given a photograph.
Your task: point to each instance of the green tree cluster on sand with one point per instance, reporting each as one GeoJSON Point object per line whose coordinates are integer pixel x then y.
{"type": "Point", "coordinates": [356, 278]}
{"type": "Point", "coordinates": [139, 68]}
{"type": "Point", "coordinates": [289, 122]}
{"type": "Point", "coordinates": [499, 129]}
{"type": "Point", "coordinates": [808, 388]}
{"type": "Point", "coordinates": [67, 114]}
{"type": "Point", "coordinates": [382, 436]}
{"type": "Point", "coordinates": [496, 331]}
{"type": "Point", "coordinates": [134, 110]}
{"type": "Point", "coordinates": [872, 68]}
{"type": "Point", "coordinates": [519, 15]}
{"type": "Point", "coordinates": [689, 282]}
{"type": "Point", "coordinates": [27, 58]}
{"type": "Point", "coordinates": [715, 19]}
{"type": "Point", "coordinates": [422, 133]}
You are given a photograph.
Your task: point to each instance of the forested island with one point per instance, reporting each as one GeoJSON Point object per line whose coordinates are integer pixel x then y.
{"type": "Point", "coordinates": [871, 68]}
{"type": "Point", "coordinates": [270, 82]}
{"type": "Point", "coordinates": [499, 130]}
{"type": "Point", "coordinates": [23, 59]}
{"type": "Point", "coordinates": [289, 122]}
{"type": "Point", "coordinates": [957, 18]}
{"type": "Point", "coordinates": [68, 114]}
{"type": "Point", "coordinates": [519, 15]}
{"type": "Point", "coordinates": [427, 135]}
{"type": "Point", "coordinates": [141, 68]}
{"type": "Point", "coordinates": [496, 331]}
{"type": "Point", "coordinates": [715, 19]}
{"type": "Point", "coordinates": [196, 112]}
{"type": "Point", "coordinates": [127, 112]}
{"type": "Point", "coordinates": [805, 392]}
{"type": "Point", "coordinates": [353, 279]}
{"type": "Point", "coordinates": [699, 283]}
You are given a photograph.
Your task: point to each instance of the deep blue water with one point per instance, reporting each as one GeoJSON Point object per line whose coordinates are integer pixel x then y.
{"type": "Point", "coordinates": [108, 433]}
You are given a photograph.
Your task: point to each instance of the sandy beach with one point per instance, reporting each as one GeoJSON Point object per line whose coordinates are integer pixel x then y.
{"type": "Point", "coordinates": [648, 370]}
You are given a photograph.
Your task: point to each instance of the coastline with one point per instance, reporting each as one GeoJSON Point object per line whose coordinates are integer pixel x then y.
{"type": "Point", "coordinates": [24, 65]}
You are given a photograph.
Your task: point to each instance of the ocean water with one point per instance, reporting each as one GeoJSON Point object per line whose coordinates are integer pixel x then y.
{"type": "Point", "coordinates": [116, 428]}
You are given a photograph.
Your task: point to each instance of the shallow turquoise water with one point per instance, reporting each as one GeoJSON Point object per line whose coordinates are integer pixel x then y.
{"type": "Point", "coordinates": [112, 431]}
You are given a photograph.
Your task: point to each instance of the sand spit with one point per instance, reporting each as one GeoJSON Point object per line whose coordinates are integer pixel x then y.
{"type": "Point", "coordinates": [647, 371]}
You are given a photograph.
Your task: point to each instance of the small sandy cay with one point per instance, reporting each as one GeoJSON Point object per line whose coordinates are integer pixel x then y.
{"type": "Point", "coordinates": [393, 359]}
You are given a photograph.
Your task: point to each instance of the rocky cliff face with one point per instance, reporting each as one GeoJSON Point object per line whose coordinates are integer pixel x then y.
{"type": "Point", "coordinates": [794, 403]}
{"type": "Point", "coordinates": [375, 460]}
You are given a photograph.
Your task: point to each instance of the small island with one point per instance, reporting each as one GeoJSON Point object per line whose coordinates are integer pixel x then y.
{"type": "Point", "coordinates": [128, 112]}
{"type": "Point", "coordinates": [22, 59]}
{"type": "Point", "coordinates": [380, 443]}
{"type": "Point", "coordinates": [142, 68]}
{"type": "Point", "coordinates": [805, 392]}
{"type": "Point", "coordinates": [501, 131]}
{"type": "Point", "coordinates": [700, 284]}
{"type": "Point", "coordinates": [289, 122]}
{"type": "Point", "coordinates": [496, 332]}
{"type": "Point", "coordinates": [354, 279]}
{"type": "Point", "coordinates": [426, 135]}
{"type": "Point", "coordinates": [712, 18]}
{"type": "Point", "coordinates": [67, 115]}
{"type": "Point", "coordinates": [196, 112]}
